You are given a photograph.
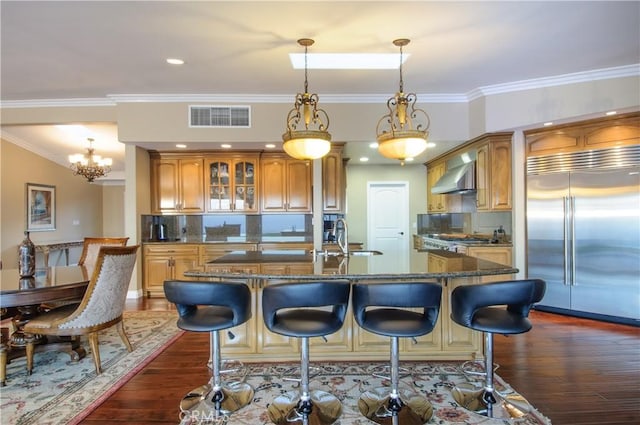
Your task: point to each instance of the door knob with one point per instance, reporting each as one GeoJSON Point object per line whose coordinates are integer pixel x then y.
{"type": "Point", "coordinates": [401, 233]}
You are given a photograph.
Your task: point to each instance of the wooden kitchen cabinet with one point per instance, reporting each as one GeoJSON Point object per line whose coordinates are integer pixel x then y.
{"type": "Point", "coordinates": [436, 203]}
{"type": "Point", "coordinates": [494, 173]}
{"type": "Point", "coordinates": [497, 254]}
{"type": "Point", "coordinates": [286, 184]}
{"type": "Point", "coordinates": [333, 181]}
{"type": "Point", "coordinates": [601, 133]}
{"type": "Point", "coordinates": [165, 262]}
{"type": "Point", "coordinates": [177, 185]}
{"type": "Point", "coordinates": [456, 338]}
{"type": "Point", "coordinates": [232, 183]}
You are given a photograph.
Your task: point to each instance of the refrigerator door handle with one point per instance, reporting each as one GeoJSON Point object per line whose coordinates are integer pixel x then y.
{"type": "Point", "coordinates": [572, 230]}
{"type": "Point", "coordinates": [567, 240]}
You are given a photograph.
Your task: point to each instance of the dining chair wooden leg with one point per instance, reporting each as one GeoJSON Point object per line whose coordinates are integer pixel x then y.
{"type": "Point", "coordinates": [29, 353]}
{"type": "Point", "coordinates": [123, 335]}
{"type": "Point", "coordinates": [3, 363]}
{"type": "Point", "coordinates": [95, 350]}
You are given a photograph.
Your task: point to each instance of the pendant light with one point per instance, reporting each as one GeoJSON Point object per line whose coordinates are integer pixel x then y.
{"type": "Point", "coordinates": [403, 132]}
{"type": "Point", "coordinates": [306, 136]}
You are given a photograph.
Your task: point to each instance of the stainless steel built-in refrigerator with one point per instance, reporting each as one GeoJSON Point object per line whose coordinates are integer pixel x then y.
{"type": "Point", "coordinates": [583, 232]}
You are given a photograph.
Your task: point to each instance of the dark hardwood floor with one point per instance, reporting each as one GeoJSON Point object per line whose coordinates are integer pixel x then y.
{"type": "Point", "coordinates": [575, 371]}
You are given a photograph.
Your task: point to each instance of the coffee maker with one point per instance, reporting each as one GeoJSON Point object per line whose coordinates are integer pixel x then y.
{"type": "Point", "coordinates": [158, 231]}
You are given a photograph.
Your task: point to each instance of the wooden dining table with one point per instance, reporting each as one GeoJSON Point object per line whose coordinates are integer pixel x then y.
{"type": "Point", "coordinates": [25, 297]}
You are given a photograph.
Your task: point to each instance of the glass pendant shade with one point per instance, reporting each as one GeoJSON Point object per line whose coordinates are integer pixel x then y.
{"type": "Point", "coordinates": [402, 133]}
{"type": "Point", "coordinates": [403, 146]}
{"type": "Point", "coordinates": [306, 136]}
{"type": "Point", "coordinates": [307, 146]}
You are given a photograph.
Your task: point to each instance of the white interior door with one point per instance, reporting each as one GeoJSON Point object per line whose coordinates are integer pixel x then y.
{"type": "Point", "coordinates": [388, 224]}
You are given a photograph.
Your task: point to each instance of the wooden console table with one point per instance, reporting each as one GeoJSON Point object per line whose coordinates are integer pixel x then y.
{"type": "Point", "coordinates": [48, 247]}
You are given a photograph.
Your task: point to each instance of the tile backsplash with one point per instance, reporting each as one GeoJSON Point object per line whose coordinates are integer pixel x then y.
{"type": "Point", "coordinates": [478, 222]}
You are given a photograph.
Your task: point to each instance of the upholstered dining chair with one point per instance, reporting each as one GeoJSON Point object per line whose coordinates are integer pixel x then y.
{"type": "Point", "coordinates": [101, 307]}
{"type": "Point", "coordinates": [88, 257]}
{"type": "Point", "coordinates": [91, 247]}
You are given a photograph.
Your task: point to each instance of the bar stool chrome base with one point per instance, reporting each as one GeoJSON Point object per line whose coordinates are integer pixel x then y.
{"type": "Point", "coordinates": [414, 409]}
{"type": "Point", "coordinates": [287, 408]}
{"type": "Point", "coordinates": [199, 403]}
{"type": "Point", "coordinates": [506, 406]}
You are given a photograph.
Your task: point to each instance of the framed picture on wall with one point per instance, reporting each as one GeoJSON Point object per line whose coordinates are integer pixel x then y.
{"type": "Point", "coordinates": [41, 207]}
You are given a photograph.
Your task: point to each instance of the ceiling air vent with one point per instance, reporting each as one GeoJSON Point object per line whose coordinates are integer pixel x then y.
{"type": "Point", "coordinates": [219, 116]}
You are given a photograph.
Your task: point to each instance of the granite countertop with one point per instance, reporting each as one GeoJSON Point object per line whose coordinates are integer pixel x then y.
{"type": "Point", "coordinates": [212, 242]}
{"type": "Point", "coordinates": [264, 257]}
{"type": "Point", "coordinates": [350, 268]}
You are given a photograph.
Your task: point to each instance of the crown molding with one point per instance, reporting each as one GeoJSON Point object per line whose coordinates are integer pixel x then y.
{"type": "Point", "coordinates": [558, 80]}
{"type": "Point", "coordinates": [56, 103]}
{"type": "Point", "coordinates": [537, 83]}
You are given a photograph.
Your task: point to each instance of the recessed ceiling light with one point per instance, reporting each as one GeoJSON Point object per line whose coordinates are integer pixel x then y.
{"type": "Point", "coordinates": [347, 60]}
{"type": "Point", "coordinates": [270, 146]}
{"type": "Point", "coordinates": [611, 113]}
{"type": "Point", "coordinates": [431, 145]}
{"type": "Point", "coordinates": [373, 145]}
{"type": "Point", "coordinates": [175, 61]}
{"type": "Point", "coordinates": [364, 159]}
{"type": "Point", "coordinates": [547, 124]}
{"type": "Point", "coordinates": [225, 146]}
{"type": "Point", "coordinates": [408, 159]}
{"type": "Point", "coordinates": [181, 146]}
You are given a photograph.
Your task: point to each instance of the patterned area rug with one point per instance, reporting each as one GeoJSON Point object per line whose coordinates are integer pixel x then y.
{"type": "Point", "coordinates": [59, 391]}
{"type": "Point", "coordinates": [348, 381]}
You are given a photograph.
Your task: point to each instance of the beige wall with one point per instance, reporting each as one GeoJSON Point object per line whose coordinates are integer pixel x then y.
{"type": "Point", "coordinates": [113, 211]}
{"type": "Point", "coordinates": [76, 202]}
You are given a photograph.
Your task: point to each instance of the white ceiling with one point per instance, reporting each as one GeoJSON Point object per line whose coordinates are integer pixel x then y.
{"type": "Point", "coordinates": [102, 50]}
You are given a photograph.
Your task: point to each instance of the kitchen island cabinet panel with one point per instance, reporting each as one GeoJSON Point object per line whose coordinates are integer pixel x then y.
{"type": "Point", "coordinates": [447, 341]}
{"type": "Point", "coordinates": [456, 338]}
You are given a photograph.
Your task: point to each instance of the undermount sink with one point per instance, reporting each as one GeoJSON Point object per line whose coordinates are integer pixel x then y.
{"type": "Point", "coordinates": [363, 253]}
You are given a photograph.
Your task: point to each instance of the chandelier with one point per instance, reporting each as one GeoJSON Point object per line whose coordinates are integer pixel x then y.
{"type": "Point", "coordinates": [313, 140]}
{"type": "Point", "coordinates": [89, 165]}
{"type": "Point", "coordinates": [402, 133]}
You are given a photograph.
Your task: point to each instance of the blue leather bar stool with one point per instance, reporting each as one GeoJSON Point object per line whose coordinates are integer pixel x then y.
{"type": "Point", "coordinates": [382, 308]}
{"type": "Point", "coordinates": [211, 307]}
{"type": "Point", "coordinates": [502, 308]}
{"type": "Point", "coordinates": [304, 310]}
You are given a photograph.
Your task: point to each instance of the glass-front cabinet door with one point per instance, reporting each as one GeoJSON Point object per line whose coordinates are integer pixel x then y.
{"type": "Point", "coordinates": [232, 184]}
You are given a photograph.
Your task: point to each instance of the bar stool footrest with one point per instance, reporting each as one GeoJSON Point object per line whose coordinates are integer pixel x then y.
{"type": "Point", "coordinates": [199, 404]}
{"type": "Point", "coordinates": [374, 405]}
{"type": "Point", "coordinates": [325, 410]}
{"type": "Point", "coordinates": [508, 405]}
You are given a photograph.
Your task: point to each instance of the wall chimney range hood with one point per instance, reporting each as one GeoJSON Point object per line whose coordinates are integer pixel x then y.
{"type": "Point", "coordinates": [460, 176]}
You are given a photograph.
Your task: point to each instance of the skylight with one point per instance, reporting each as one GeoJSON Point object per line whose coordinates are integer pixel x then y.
{"type": "Point", "coordinates": [347, 60]}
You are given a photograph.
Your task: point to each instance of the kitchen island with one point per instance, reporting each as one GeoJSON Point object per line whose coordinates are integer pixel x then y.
{"type": "Point", "coordinates": [253, 341]}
